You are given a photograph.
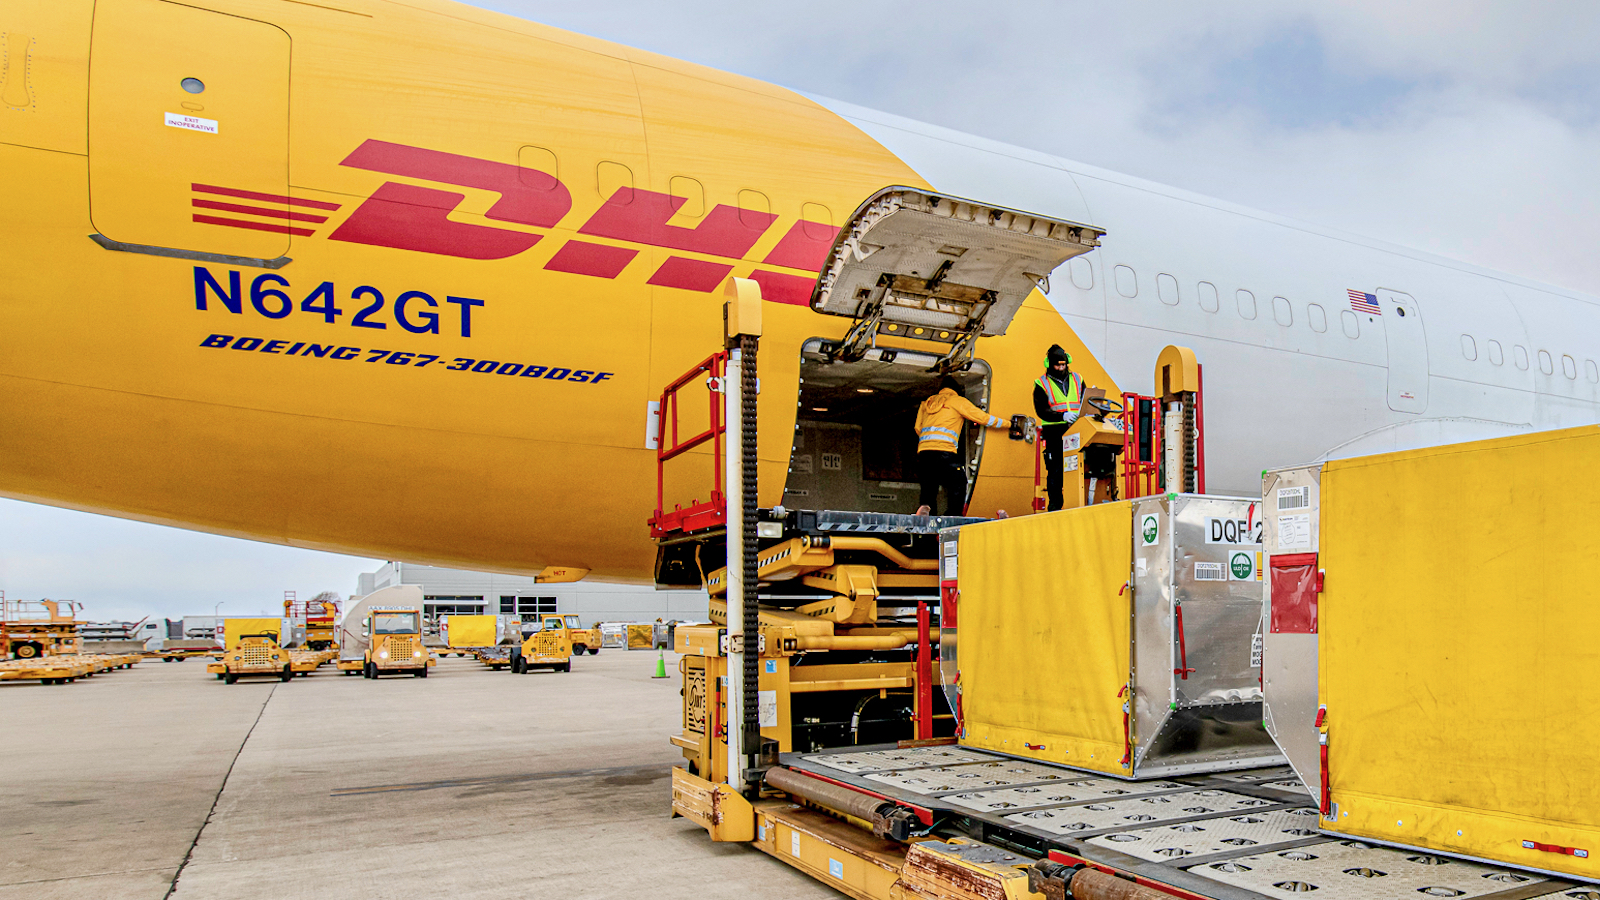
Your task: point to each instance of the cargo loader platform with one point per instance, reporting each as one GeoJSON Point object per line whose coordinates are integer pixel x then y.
{"type": "Point", "coordinates": [1243, 835]}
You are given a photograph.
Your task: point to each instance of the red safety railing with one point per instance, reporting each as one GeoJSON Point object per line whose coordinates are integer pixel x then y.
{"type": "Point", "coordinates": [1039, 497]}
{"type": "Point", "coordinates": [1200, 428]}
{"type": "Point", "coordinates": [312, 612]}
{"type": "Point", "coordinates": [1140, 477]}
{"type": "Point", "coordinates": [670, 444]}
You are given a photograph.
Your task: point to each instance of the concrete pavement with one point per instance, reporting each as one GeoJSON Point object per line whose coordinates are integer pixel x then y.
{"type": "Point", "coordinates": [469, 783]}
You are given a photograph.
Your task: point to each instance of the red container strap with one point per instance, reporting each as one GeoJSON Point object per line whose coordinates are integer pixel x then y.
{"type": "Point", "coordinates": [1183, 670]}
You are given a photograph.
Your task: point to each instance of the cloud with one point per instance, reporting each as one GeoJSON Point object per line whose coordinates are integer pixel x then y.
{"type": "Point", "coordinates": [127, 570]}
{"type": "Point", "coordinates": [1463, 129]}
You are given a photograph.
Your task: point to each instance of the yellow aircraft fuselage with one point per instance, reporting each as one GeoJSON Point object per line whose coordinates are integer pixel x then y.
{"type": "Point", "coordinates": [400, 279]}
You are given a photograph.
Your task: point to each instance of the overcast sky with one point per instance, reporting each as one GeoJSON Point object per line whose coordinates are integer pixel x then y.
{"type": "Point", "coordinates": [1465, 129]}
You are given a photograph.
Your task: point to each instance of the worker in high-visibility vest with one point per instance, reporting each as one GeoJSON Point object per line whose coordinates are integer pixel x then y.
{"type": "Point", "coordinates": [940, 420]}
{"type": "Point", "coordinates": [1057, 400]}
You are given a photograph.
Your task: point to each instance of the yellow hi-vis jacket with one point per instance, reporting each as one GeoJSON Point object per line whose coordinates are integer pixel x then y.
{"type": "Point", "coordinates": [939, 421]}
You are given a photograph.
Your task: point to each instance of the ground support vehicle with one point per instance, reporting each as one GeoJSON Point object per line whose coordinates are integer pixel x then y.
{"type": "Point", "coordinates": [252, 649]}
{"type": "Point", "coordinates": [34, 628]}
{"type": "Point", "coordinates": [319, 619]}
{"type": "Point", "coordinates": [394, 643]}
{"type": "Point", "coordinates": [1053, 805]}
{"type": "Point", "coordinates": [1108, 669]}
{"type": "Point", "coordinates": [548, 648]}
{"type": "Point", "coordinates": [584, 640]}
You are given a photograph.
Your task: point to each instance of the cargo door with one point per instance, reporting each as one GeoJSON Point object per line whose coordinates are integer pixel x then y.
{"type": "Point", "coordinates": [189, 131]}
{"type": "Point", "coordinates": [1408, 352]}
{"type": "Point", "coordinates": [915, 264]}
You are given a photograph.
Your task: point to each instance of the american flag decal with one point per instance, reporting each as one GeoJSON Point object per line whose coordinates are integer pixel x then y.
{"type": "Point", "coordinates": [280, 216]}
{"type": "Point", "coordinates": [1365, 303]}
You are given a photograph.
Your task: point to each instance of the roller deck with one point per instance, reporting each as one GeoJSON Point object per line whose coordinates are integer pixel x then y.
{"type": "Point", "coordinates": [1243, 835]}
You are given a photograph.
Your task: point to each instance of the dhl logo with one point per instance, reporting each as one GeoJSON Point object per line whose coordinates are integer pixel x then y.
{"type": "Point", "coordinates": [408, 217]}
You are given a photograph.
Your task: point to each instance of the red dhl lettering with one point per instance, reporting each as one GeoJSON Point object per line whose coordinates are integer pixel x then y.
{"type": "Point", "coordinates": [409, 217]}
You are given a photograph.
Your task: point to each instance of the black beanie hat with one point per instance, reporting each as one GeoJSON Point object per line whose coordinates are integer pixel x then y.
{"type": "Point", "coordinates": [1056, 354]}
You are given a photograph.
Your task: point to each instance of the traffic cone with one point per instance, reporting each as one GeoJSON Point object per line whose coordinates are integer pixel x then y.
{"type": "Point", "coordinates": [661, 665]}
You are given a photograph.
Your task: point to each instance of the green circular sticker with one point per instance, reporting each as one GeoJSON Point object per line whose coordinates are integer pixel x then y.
{"type": "Point", "coordinates": [1150, 529]}
{"type": "Point", "coordinates": [1243, 566]}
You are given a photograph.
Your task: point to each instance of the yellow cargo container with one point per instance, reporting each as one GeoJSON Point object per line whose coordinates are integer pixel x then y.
{"type": "Point", "coordinates": [1115, 638]}
{"type": "Point", "coordinates": [471, 631]}
{"type": "Point", "coordinates": [234, 629]}
{"type": "Point", "coordinates": [1456, 630]}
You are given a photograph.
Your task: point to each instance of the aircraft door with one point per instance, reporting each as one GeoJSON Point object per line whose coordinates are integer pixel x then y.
{"type": "Point", "coordinates": [189, 131]}
{"type": "Point", "coordinates": [1408, 352]}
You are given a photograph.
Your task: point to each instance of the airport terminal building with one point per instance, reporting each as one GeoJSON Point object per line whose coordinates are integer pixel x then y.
{"type": "Point", "coordinates": [455, 591]}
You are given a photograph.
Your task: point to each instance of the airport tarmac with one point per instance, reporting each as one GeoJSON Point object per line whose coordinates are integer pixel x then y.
{"type": "Point", "coordinates": [161, 781]}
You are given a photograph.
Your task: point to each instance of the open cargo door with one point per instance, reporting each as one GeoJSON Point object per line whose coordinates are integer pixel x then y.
{"type": "Point", "coordinates": [915, 264]}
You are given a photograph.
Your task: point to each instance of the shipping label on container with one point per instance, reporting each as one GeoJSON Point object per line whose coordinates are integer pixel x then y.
{"type": "Point", "coordinates": [1209, 571]}
{"type": "Point", "coordinates": [1232, 531]}
{"type": "Point", "coordinates": [1256, 647]}
{"type": "Point", "coordinates": [1294, 531]}
{"type": "Point", "coordinates": [1294, 498]}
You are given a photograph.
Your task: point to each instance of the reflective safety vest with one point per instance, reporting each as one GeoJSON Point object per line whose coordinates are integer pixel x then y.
{"type": "Point", "coordinates": [1062, 403]}
{"type": "Point", "coordinates": [940, 420]}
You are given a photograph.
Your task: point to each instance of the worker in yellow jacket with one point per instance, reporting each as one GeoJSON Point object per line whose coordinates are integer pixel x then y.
{"type": "Point", "coordinates": [939, 423]}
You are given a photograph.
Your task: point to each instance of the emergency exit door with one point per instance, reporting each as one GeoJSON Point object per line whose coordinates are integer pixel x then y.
{"type": "Point", "coordinates": [189, 130]}
{"type": "Point", "coordinates": [1408, 352]}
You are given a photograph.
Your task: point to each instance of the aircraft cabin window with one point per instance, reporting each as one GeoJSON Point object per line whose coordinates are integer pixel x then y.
{"type": "Point", "coordinates": [1592, 371]}
{"type": "Point", "coordinates": [1520, 356]}
{"type": "Point", "coordinates": [1247, 304]}
{"type": "Point", "coordinates": [1546, 365]}
{"type": "Point", "coordinates": [193, 85]}
{"type": "Point", "coordinates": [1208, 296]}
{"type": "Point", "coordinates": [1318, 318]}
{"type": "Point", "coordinates": [611, 177]}
{"type": "Point", "coordinates": [536, 168]}
{"type": "Point", "coordinates": [1469, 347]}
{"type": "Point", "coordinates": [1127, 282]}
{"type": "Point", "coordinates": [1569, 367]}
{"type": "Point", "coordinates": [1352, 325]}
{"type": "Point", "coordinates": [1082, 272]}
{"type": "Point", "coordinates": [1167, 289]}
{"type": "Point", "coordinates": [693, 194]}
{"type": "Point", "coordinates": [816, 221]}
{"type": "Point", "coordinates": [1282, 311]}
{"type": "Point", "coordinates": [1496, 355]}
{"type": "Point", "coordinates": [755, 210]}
